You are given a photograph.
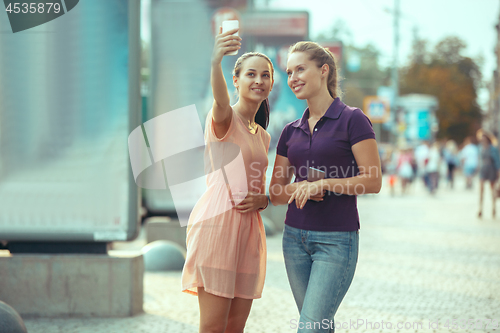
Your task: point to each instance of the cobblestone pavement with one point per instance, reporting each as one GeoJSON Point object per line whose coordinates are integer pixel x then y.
{"type": "Point", "coordinates": [422, 259]}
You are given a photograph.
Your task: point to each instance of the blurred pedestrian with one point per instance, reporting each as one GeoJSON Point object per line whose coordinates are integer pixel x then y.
{"type": "Point", "coordinates": [320, 240]}
{"type": "Point", "coordinates": [469, 157]}
{"type": "Point", "coordinates": [422, 158]}
{"type": "Point", "coordinates": [391, 159]}
{"type": "Point", "coordinates": [450, 154]}
{"type": "Point", "coordinates": [405, 170]}
{"type": "Point", "coordinates": [489, 167]}
{"type": "Point", "coordinates": [226, 246]}
{"type": "Point", "coordinates": [432, 167]}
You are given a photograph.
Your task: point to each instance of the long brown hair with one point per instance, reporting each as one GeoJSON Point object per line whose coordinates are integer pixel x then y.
{"type": "Point", "coordinates": [262, 116]}
{"type": "Point", "coordinates": [321, 56]}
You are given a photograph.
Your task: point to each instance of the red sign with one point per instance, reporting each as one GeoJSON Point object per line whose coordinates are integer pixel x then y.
{"type": "Point", "coordinates": [274, 24]}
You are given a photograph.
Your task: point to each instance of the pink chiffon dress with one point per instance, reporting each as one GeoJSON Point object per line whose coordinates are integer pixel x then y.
{"type": "Point", "coordinates": [226, 249]}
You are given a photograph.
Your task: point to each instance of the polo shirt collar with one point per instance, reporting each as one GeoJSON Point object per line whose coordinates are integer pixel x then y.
{"type": "Point", "coordinates": [333, 112]}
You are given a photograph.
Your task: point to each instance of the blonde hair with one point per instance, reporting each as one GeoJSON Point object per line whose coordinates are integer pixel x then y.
{"type": "Point", "coordinates": [321, 56]}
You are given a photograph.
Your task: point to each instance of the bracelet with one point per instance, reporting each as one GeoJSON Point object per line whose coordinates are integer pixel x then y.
{"type": "Point", "coordinates": [267, 204]}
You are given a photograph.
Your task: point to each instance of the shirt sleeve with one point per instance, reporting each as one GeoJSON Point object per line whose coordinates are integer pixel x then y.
{"type": "Point", "coordinates": [282, 148]}
{"type": "Point", "coordinates": [360, 127]}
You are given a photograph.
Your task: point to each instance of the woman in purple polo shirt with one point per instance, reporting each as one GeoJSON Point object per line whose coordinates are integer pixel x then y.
{"type": "Point", "coordinates": [320, 240]}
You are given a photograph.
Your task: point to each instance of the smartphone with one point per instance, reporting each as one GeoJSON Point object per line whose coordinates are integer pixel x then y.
{"type": "Point", "coordinates": [314, 174]}
{"type": "Point", "coordinates": [230, 25]}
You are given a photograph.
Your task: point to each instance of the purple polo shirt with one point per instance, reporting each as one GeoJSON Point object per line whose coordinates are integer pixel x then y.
{"type": "Point", "coordinates": [327, 149]}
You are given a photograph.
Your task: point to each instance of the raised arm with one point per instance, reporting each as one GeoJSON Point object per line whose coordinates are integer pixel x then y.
{"type": "Point", "coordinates": [221, 111]}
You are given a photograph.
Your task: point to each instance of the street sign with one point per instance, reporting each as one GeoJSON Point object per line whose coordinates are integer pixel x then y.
{"type": "Point", "coordinates": [377, 109]}
{"type": "Point", "coordinates": [277, 23]}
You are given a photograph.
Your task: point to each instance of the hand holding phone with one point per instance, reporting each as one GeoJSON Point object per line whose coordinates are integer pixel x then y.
{"type": "Point", "coordinates": [230, 25]}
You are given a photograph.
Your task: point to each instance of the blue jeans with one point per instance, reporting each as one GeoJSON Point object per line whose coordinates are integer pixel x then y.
{"type": "Point", "coordinates": [320, 267]}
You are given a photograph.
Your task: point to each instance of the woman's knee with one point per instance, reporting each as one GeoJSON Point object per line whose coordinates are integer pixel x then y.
{"type": "Point", "coordinates": [235, 325]}
{"type": "Point", "coordinates": [213, 328]}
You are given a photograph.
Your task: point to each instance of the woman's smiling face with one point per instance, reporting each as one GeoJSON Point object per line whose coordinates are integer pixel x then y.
{"type": "Point", "coordinates": [255, 81]}
{"type": "Point", "coordinates": [304, 76]}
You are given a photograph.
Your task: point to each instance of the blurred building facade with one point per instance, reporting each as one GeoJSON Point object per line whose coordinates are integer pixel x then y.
{"type": "Point", "coordinates": [491, 120]}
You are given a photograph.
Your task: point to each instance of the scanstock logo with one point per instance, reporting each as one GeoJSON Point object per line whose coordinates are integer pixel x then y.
{"type": "Point", "coordinates": [26, 14]}
{"type": "Point", "coordinates": [179, 158]}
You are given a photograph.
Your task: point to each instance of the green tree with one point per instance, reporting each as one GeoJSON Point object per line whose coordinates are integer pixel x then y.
{"type": "Point", "coordinates": [452, 78]}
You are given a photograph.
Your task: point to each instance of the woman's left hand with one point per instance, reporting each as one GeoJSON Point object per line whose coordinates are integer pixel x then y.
{"type": "Point", "coordinates": [305, 191]}
{"type": "Point", "coordinates": [253, 201]}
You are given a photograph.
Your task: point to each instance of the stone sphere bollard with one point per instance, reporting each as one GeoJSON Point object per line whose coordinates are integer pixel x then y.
{"type": "Point", "coordinates": [163, 255]}
{"type": "Point", "coordinates": [10, 320]}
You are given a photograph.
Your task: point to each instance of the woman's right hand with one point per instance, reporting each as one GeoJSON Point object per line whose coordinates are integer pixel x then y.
{"type": "Point", "coordinates": [225, 43]}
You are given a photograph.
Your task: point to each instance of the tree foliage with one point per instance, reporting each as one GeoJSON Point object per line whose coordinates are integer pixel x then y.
{"type": "Point", "coordinates": [452, 78]}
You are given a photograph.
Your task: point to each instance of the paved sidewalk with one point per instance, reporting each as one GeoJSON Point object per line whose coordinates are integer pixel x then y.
{"type": "Point", "coordinates": [422, 259]}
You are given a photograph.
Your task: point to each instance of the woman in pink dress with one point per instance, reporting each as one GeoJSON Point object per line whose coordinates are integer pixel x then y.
{"type": "Point", "coordinates": [226, 247]}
